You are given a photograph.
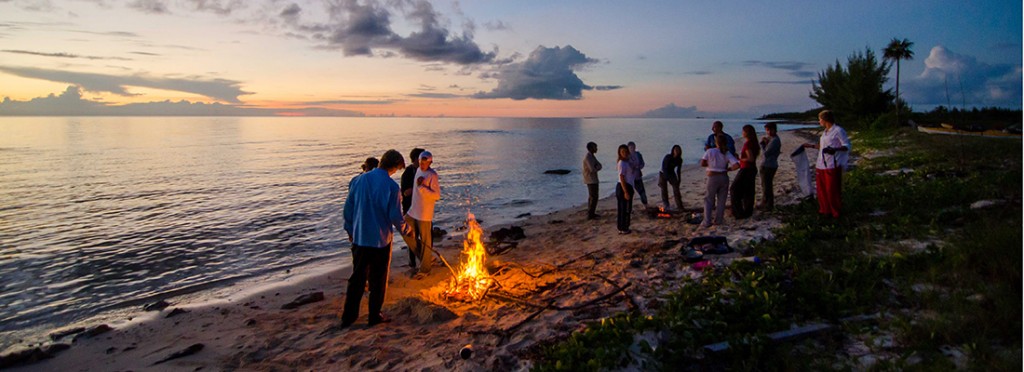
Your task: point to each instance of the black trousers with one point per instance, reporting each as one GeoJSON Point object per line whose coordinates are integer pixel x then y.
{"type": "Point", "coordinates": [592, 199]}
{"type": "Point", "coordinates": [368, 264]}
{"type": "Point", "coordinates": [743, 192]}
{"type": "Point", "coordinates": [638, 183]}
{"type": "Point", "coordinates": [767, 186]}
{"type": "Point", "coordinates": [624, 210]}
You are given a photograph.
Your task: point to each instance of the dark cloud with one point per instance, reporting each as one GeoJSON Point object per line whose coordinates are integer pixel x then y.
{"type": "Point", "coordinates": [63, 55]}
{"type": "Point", "coordinates": [548, 73]}
{"type": "Point", "coordinates": [672, 111]}
{"type": "Point", "coordinates": [702, 72]}
{"type": "Point", "coordinates": [968, 81]}
{"type": "Point", "coordinates": [218, 89]}
{"type": "Point", "coordinates": [71, 103]}
{"type": "Point", "coordinates": [291, 11]}
{"type": "Point", "coordinates": [149, 6]}
{"type": "Point", "coordinates": [145, 53]}
{"type": "Point", "coordinates": [797, 69]}
{"type": "Point", "coordinates": [360, 28]}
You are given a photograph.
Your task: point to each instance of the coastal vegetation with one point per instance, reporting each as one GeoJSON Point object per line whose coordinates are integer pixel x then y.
{"type": "Point", "coordinates": [854, 92]}
{"type": "Point", "coordinates": [922, 272]}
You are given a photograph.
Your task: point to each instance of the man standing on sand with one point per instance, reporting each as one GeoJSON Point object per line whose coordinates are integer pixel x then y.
{"type": "Point", "coordinates": [590, 168]}
{"type": "Point", "coordinates": [834, 147]}
{"type": "Point", "coordinates": [636, 159]}
{"type": "Point", "coordinates": [372, 207]}
{"type": "Point", "coordinates": [716, 130]}
{"type": "Point", "coordinates": [421, 214]}
{"type": "Point", "coordinates": [408, 177]}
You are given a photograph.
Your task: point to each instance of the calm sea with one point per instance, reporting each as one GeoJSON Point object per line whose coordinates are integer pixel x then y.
{"type": "Point", "coordinates": [98, 214]}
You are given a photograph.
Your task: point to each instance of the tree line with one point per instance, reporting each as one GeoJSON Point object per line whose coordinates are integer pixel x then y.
{"type": "Point", "coordinates": [855, 92]}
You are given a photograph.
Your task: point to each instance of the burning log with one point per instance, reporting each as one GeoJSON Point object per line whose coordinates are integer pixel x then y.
{"type": "Point", "coordinates": [471, 281]}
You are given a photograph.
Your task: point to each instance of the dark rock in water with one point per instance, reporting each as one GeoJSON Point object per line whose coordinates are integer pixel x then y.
{"type": "Point", "coordinates": [512, 233]}
{"type": "Point", "coordinates": [156, 306]}
{"type": "Point", "coordinates": [557, 171]}
{"type": "Point", "coordinates": [175, 312]}
{"type": "Point", "coordinates": [524, 215]}
{"type": "Point", "coordinates": [67, 332]}
{"type": "Point", "coordinates": [437, 233]}
{"type": "Point", "coordinates": [194, 348]}
{"type": "Point", "coordinates": [93, 332]}
{"type": "Point", "coordinates": [304, 299]}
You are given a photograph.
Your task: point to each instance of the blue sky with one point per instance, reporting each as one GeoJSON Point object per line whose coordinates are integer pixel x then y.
{"type": "Point", "coordinates": [488, 58]}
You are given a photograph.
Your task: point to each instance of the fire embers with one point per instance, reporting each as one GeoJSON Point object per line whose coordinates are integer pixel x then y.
{"type": "Point", "coordinates": [471, 281]}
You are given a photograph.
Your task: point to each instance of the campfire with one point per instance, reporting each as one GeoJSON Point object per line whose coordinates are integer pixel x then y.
{"type": "Point", "coordinates": [471, 281]}
{"type": "Point", "coordinates": [662, 213]}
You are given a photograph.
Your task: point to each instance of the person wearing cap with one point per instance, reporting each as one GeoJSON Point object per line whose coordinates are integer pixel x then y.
{"type": "Point", "coordinates": [425, 193]}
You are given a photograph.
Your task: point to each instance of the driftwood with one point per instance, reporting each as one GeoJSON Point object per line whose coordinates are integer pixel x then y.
{"type": "Point", "coordinates": [559, 266]}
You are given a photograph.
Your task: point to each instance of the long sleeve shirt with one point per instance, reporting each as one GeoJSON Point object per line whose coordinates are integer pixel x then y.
{"type": "Point", "coordinates": [425, 195]}
{"type": "Point", "coordinates": [590, 168]}
{"type": "Point", "coordinates": [771, 152]}
{"type": "Point", "coordinates": [372, 207]}
{"type": "Point", "coordinates": [670, 168]}
{"type": "Point", "coordinates": [834, 137]}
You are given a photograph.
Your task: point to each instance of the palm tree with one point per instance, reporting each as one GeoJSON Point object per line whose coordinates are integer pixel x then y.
{"type": "Point", "coordinates": [896, 51]}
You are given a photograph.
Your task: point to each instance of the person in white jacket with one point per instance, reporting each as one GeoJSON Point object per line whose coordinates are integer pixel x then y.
{"type": "Point", "coordinates": [425, 194]}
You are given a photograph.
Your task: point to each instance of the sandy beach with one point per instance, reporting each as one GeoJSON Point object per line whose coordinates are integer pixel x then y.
{"type": "Point", "coordinates": [567, 271]}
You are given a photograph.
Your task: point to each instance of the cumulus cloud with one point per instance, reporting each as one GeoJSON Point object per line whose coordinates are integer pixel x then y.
{"type": "Point", "coordinates": [71, 103]}
{"type": "Point", "coordinates": [548, 73]}
{"type": "Point", "coordinates": [360, 28]}
{"type": "Point", "coordinates": [672, 111]}
{"type": "Point", "coordinates": [968, 80]}
{"type": "Point", "coordinates": [218, 89]}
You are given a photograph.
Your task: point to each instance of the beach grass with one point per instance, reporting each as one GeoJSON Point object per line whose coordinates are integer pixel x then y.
{"type": "Point", "coordinates": [910, 277]}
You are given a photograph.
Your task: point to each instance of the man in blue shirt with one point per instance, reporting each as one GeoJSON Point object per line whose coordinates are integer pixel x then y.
{"type": "Point", "coordinates": [716, 129]}
{"type": "Point", "coordinates": [373, 206]}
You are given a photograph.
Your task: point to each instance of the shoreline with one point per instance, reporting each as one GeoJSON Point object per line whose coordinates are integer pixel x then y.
{"type": "Point", "coordinates": [249, 330]}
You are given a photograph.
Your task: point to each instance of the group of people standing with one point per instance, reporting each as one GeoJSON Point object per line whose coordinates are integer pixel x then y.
{"type": "Point", "coordinates": [719, 158]}
{"type": "Point", "coordinates": [374, 205]}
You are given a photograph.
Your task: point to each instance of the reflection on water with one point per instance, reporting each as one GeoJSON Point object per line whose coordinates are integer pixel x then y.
{"type": "Point", "coordinates": [100, 213]}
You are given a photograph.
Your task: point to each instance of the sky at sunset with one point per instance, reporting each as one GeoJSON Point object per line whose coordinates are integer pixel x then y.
{"type": "Point", "coordinates": [519, 58]}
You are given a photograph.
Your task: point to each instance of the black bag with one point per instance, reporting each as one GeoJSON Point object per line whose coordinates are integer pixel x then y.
{"type": "Point", "coordinates": [709, 245]}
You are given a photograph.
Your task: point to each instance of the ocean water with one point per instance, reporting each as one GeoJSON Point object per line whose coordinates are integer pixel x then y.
{"type": "Point", "coordinates": [100, 213]}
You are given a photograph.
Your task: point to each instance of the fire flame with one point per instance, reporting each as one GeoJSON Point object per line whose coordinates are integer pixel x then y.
{"type": "Point", "coordinates": [471, 281]}
{"type": "Point", "coordinates": [662, 213]}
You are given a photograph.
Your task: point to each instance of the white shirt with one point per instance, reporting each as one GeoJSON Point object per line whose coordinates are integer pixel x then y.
{"type": "Point", "coordinates": [834, 137]}
{"type": "Point", "coordinates": [717, 161]}
{"type": "Point", "coordinates": [424, 195]}
{"type": "Point", "coordinates": [625, 168]}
